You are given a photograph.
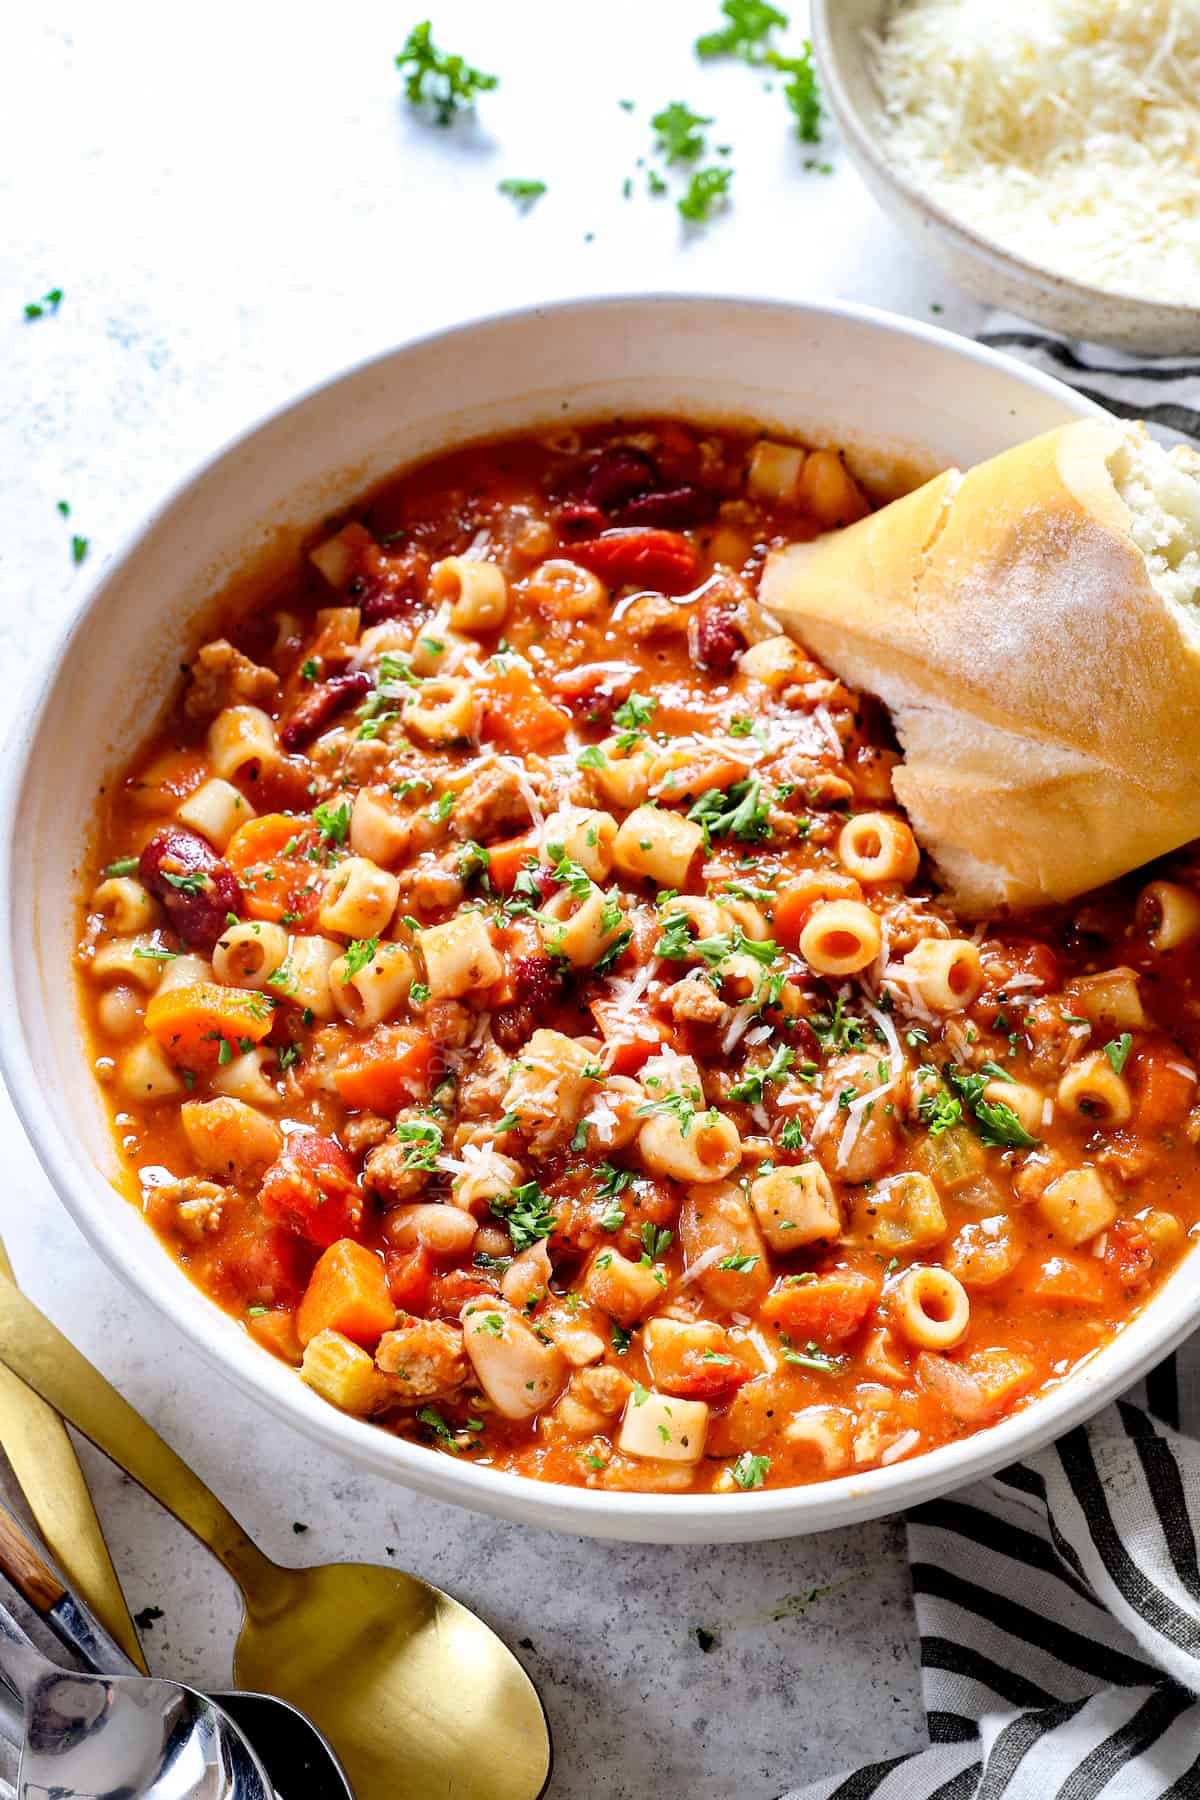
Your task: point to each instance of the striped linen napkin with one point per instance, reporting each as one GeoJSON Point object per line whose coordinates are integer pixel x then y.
{"type": "Point", "coordinates": [1058, 1602]}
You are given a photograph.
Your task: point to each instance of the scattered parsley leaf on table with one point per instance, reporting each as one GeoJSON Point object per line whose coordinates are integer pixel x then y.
{"type": "Point", "coordinates": [801, 91]}
{"type": "Point", "coordinates": [751, 22]}
{"type": "Point", "coordinates": [79, 549]}
{"type": "Point", "coordinates": [49, 303]}
{"type": "Point", "coordinates": [680, 134]}
{"type": "Point", "coordinates": [449, 84]}
{"type": "Point", "coordinates": [524, 193]}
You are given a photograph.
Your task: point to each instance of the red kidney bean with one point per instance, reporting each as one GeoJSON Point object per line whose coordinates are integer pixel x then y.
{"type": "Point", "coordinates": [617, 474]}
{"type": "Point", "coordinates": [513, 1026]}
{"type": "Point", "coordinates": [196, 889]}
{"type": "Point", "coordinates": [391, 595]}
{"type": "Point", "coordinates": [676, 508]}
{"type": "Point", "coordinates": [536, 981]}
{"type": "Point", "coordinates": [578, 520]}
{"type": "Point", "coordinates": [715, 637]}
{"type": "Point", "coordinates": [316, 709]}
{"type": "Point", "coordinates": [593, 690]}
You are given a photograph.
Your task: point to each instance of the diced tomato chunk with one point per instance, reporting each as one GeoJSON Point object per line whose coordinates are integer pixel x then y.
{"type": "Point", "coordinates": [664, 561]}
{"type": "Point", "coordinates": [270, 1269]}
{"type": "Point", "coordinates": [409, 1278]}
{"type": "Point", "coordinates": [310, 1189]}
{"type": "Point", "coordinates": [449, 1290]}
{"type": "Point", "coordinates": [827, 1309]}
{"type": "Point", "coordinates": [1164, 1085]}
{"type": "Point", "coordinates": [1129, 1253]}
{"type": "Point", "coordinates": [697, 1379]}
{"type": "Point", "coordinates": [632, 1038]}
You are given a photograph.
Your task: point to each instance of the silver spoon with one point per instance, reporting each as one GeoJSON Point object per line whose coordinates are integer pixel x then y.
{"type": "Point", "coordinates": [99, 1737]}
{"type": "Point", "coordinates": [299, 1760]}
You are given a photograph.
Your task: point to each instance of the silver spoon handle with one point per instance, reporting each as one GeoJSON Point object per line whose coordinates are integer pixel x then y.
{"type": "Point", "coordinates": [20, 1663]}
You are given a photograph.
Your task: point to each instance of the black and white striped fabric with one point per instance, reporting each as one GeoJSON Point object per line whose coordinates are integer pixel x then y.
{"type": "Point", "coordinates": [1058, 1602]}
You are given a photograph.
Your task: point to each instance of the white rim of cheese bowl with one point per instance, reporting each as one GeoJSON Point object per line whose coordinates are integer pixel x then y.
{"type": "Point", "coordinates": [27, 1035]}
{"type": "Point", "coordinates": [865, 140]}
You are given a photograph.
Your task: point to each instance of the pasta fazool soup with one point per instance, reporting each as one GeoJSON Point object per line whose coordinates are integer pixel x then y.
{"type": "Point", "coordinates": [523, 1009]}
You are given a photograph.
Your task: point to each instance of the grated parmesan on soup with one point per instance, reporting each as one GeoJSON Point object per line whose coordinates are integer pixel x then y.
{"type": "Point", "coordinates": [1066, 130]}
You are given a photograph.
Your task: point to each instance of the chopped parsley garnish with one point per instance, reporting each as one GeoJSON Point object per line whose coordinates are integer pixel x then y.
{"type": "Point", "coordinates": [683, 1106]}
{"type": "Point", "coordinates": [839, 1030]}
{"type": "Point", "coordinates": [524, 193]}
{"type": "Point", "coordinates": [751, 1471]}
{"type": "Point", "coordinates": [79, 549]}
{"type": "Point", "coordinates": [740, 811]}
{"type": "Point", "coordinates": [124, 865]}
{"type": "Point", "coordinates": [1117, 1050]}
{"type": "Point", "coordinates": [940, 1112]}
{"type": "Point", "coordinates": [792, 1135]}
{"type": "Point", "coordinates": [332, 822]}
{"type": "Point", "coordinates": [191, 884]}
{"type": "Point", "coordinates": [430, 1416]}
{"type": "Point", "coordinates": [738, 1263]}
{"type": "Point", "coordinates": [752, 1085]}
{"type": "Point", "coordinates": [592, 758]}
{"type": "Point", "coordinates": [310, 669]}
{"type": "Point", "coordinates": [997, 1123]}
{"type": "Point", "coordinates": [813, 1357]}
{"type": "Point", "coordinates": [423, 1142]}
{"type": "Point", "coordinates": [620, 1338]}
{"type": "Point", "coordinates": [448, 84]}
{"type": "Point", "coordinates": [802, 94]}
{"type": "Point", "coordinates": [155, 953]}
{"type": "Point", "coordinates": [633, 716]}
{"type": "Point", "coordinates": [656, 1241]}
{"type": "Point", "coordinates": [528, 1214]}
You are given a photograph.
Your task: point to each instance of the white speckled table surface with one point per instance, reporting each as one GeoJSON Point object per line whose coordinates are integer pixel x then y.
{"type": "Point", "coordinates": [233, 209]}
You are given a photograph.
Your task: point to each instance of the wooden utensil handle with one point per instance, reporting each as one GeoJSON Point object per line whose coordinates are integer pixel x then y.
{"type": "Point", "coordinates": [25, 1568]}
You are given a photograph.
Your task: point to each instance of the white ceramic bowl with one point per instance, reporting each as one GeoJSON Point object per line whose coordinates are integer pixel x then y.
{"type": "Point", "coordinates": [836, 373]}
{"type": "Point", "coordinates": [978, 264]}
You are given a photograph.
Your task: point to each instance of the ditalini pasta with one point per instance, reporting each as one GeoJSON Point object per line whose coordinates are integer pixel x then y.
{"type": "Point", "coordinates": [522, 1006]}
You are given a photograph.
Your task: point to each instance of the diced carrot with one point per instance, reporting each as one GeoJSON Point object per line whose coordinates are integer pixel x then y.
{"type": "Point", "coordinates": [276, 1332]}
{"type": "Point", "coordinates": [311, 1190]}
{"type": "Point", "coordinates": [631, 1038]}
{"type": "Point", "coordinates": [1066, 1280]}
{"type": "Point", "coordinates": [193, 1023]}
{"type": "Point", "coordinates": [410, 1278]}
{"type": "Point", "coordinates": [446, 1293]}
{"type": "Point", "coordinates": [384, 1071]}
{"type": "Point", "coordinates": [827, 1310]}
{"type": "Point", "coordinates": [275, 860]}
{"type": "Point", "coordinates": [1002, 1376]}
{"type": "Point", "coordinates": [517, 714]}
{"type": "Point", "coordinates": [506, 860]}
{"type": "Point", "coordinates": [348, 1293]}
{"type": "Point", "coordinates": [1163, 1086]}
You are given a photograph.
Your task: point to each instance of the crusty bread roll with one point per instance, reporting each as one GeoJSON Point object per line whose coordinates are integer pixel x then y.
{"type": "Point", "coordinates": [1033, 627]}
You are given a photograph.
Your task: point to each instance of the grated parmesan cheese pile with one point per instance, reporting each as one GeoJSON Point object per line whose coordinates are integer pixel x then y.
{"type": "Point", "coordinates": [1066, 130]}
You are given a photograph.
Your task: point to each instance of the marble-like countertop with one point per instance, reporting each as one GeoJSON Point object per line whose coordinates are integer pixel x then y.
{"type": "Point", "coordinates": [234, 207]}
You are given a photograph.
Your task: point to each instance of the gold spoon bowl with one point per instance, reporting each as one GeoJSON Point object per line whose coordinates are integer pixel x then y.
{"type": "Point", "coordinates": [417, 1695]}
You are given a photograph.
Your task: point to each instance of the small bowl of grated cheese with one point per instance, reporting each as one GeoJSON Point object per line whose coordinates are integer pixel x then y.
{"type": "Point", "coordinates": [1045, 152]}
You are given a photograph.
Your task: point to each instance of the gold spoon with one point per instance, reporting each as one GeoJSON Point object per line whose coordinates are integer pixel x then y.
{"type": "Point", "coordinates": [417, 1695]}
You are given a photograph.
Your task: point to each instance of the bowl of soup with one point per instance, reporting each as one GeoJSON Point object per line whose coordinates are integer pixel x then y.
{"type": "Point", "coordinates": [490, 1000]}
